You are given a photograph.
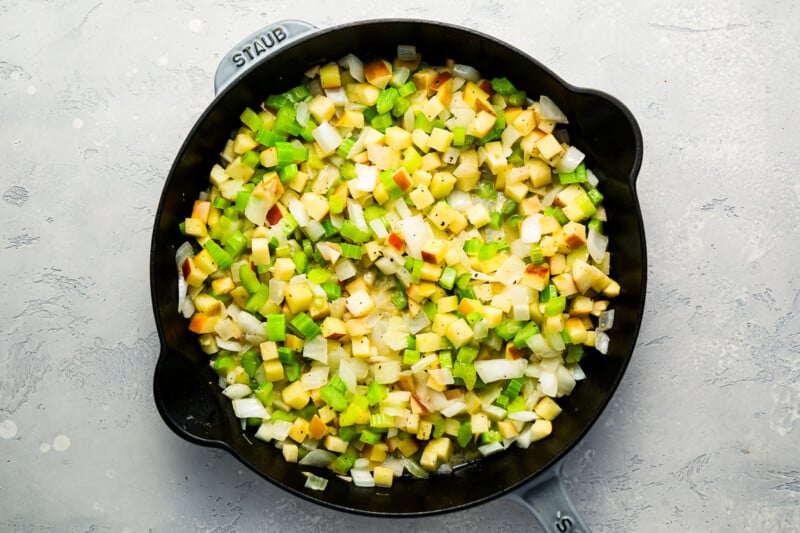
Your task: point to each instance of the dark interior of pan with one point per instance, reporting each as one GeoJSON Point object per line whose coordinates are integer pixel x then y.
{"type": "Point", "coordinates": [186, 389]}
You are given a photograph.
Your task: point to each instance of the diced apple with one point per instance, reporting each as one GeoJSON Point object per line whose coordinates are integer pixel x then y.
{"type": "Point", "coordinates": [222, 285]}
{"type": "Point", "coordinates": [273, 370]}
{"type": "Point", "coordinates": [565, 284]}
{"type": "Point", "coordinates": [482, 124]}
{"type": "Point", "coordinates": [378, 72]}
{"type": "Point", "coordinates": [421, 197]}
{"type": "Point", "coordinates": [283, 269]}
{"type": "Point", "coordinates": [434, 251]}
{"type": "Point", "coordinates": [298, 297]}
{"type": "Point", "coordinates": [321, 108]}
{"type": "Point", "coordinates": [524, 122]}
{"type": "Point", "coordinates": [420, 139]}
{"type": "Point", "coordinates": [429, 342]}
{"type": "Point", "coordinates": [192, 273]}
{"type": "Point", "coordinates": [495, 157]}
{"type": "Point", "coordinates": [202, 323]}
{"type": "Point", "coordinates": [478, 215]}
{"type": "Point", "coordinates": [329, 76]}
{"type": "Point", "coordinates": [362, 93]}
{"type": "Point", "coordinates": [442, 184]}
{"type": "Point", "coordinates": [576, 330]}
{"type": "Point", "coordinates": [536, 277]}
{"type": "Point", "coordinates": [549, 147]}
{"type": "Point", "coordinates": [359, 303]}
{"type": "Point", "coordinates": [540, 174]}
{"type": "Point", "coordinates": [431, 161]}
{"type": "Point", "coordinates": [432, 108]}
{"type": "Point", "coordinates": [547, 408]}
{"type": "Point", "coordinates": [383, 476]}
{"type": "Point", "coordinates": [459, 333]}
{"type": "Point", "coordinates": [361, 347]}
{"type": "Point", "coordinates": [398, 138]}
{"type": "Point", "coordinates": [350, 119]}
{"type": "Point", "coordinates": [540, 429]}
{"type": "Point", "coordinates": [472, 93]}
{"type": "Point", "coordinates": [244, 143]}
{"type": "Point", "coordinates": [447, 304]}
{"type": "Point", "coordinates": [440, 139]}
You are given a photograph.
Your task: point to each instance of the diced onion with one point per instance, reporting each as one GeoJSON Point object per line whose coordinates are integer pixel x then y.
{"type": "Point", "coordinates": [591, 179]}
{"type": "Point", "coordinates": [424, 363]}
{"type": "Point", "coordinates": [347, 374]}
{"type": "Point", "coordinates": [274, 429]}
{"type": "Point", "coordinates": [377, 227]}
{"type": "Point", "coordinates": [387, 372]}
{"type": "Point", "coordinates": [315, 482]}
{"type": "Point", "coordinates": [298, 211]}
{"type": "Point", "coordinates": [548, 198]}
{"type": "Point", "coordinates": [362, 478]}
{"type": "Point", "coordinates": [345, 269]}
{"type": "Point", "coordinates": [491, 370]}
{"type": "Point", "coordinates": [402, 208]}
{"type": "Point", "coordinates": [316, 349]}
{"type": "Point", "coordinates": [319, 458]}
{"type": "Point", "coordinates": [276, 291]}
{"type": "Point", "coordinates": [467, 72]}
{"type": "Point", "coordinates": [406, 52]}
{"type": "Point", "coordinates": [548, 110]}
{"type": "Point", "coordinates": [338, 95]}
{"type": "Point", "coordinates": [303, 114]}
{"type": "Point", "coordinates": [314, 230]}
{"type": "Point", "coordinates": [366, 177]}
{"type": "Point", "coordinates": [327, 137]}
{"type": "Point", "coordinates": [183, 252]}
{"type": "Point", "coordinates": [356, 214]}
{"type": "Point", "coordinates": [566, 381]}
{"type": "Point", "coordinates": [596, 243]}
{"type": "Point", "coordinates": [418, 323]}
{"type": "Point", "coordinates": [548, 383]}
{"type": "Point", "coordinates": [414, 469]}
{"type": "Point", "coordinates": [249, 408]}
{"type": "Point", "coordinates": [454, 408]}
{"type": "Point", "coordinates": [577, 372]}
{"type": "Point", "coordinates": [233, 346]}
{"type": "Point", "coordinates": [182, 289]}
{"type": "Point", "coordinates": [459, 200]}
{"type": "Point", "coordinates": [570, 160]}
{"type": "Point", "coordinates": [489, 449]}
{"type": "Point", "coordinates": [601, 342]}
{"type": "Point", "coordinates": [236, 391]}
{"type": "Point", "coordinates": [523, 416]}
{"type": "Point", "coordinates": [530, 229]}
{"type": "Point", "coordinates": [606, 320]}
{"type": "Point", "coordinates": [249, 323]}
{"type": "Point", "coordinates": [393, 463]}
{"type": "Point", "coordinates": [353, 65]}
{"type": "Point", "coordinates": [416, 233]}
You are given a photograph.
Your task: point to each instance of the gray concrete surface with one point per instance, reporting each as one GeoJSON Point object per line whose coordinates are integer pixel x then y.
{"type": "Point", "coordinates": [95, 100]}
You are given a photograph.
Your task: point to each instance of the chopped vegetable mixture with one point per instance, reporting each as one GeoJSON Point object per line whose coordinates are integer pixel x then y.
{"type": "Point", "coordinates": [397, 264]}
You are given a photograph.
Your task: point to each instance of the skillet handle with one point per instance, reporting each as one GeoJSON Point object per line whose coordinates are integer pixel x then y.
{"type": "Point", "coordinates": [255, 47]}
{"type": "Point", "coordinates": [546, 498]}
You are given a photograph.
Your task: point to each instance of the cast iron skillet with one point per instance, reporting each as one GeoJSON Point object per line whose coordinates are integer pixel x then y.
{"type": "Point", "coordinates": [273, 60]}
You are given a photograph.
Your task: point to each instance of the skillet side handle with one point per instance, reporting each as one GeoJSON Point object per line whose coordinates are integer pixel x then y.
{"type": "Point", "coordinates": [255, 47]}
{"type": "Point", "coordinates": [546, 498]}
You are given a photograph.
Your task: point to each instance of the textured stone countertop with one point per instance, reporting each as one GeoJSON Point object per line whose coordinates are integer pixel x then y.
{"type": "Point", "coordinates": [97, 96]}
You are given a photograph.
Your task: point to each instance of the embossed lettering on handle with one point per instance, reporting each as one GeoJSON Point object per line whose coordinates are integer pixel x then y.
{"type": "Point", "coordinates": [256, 47]}
{"type": "Point", "coordinates": [546, 499]}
